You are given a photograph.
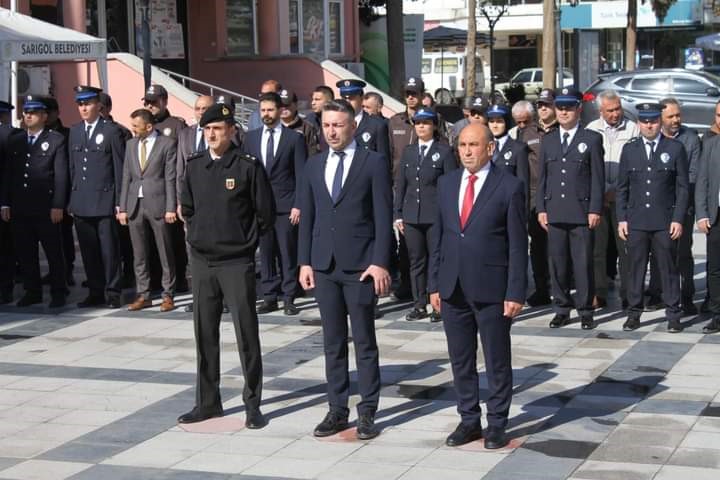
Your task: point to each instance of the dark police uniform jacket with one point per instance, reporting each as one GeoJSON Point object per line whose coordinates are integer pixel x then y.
{"type": "Point", "coordinates": [227, 204]}
{"type": "Point", "coordinates": [95, 169]}
{"type": "Point", "coordinates": [168, 125]}
{"type": "Point", "coordinates": [416, 183]}
{"type": "Point", "coordinates": [513, 158]}
{"type": "Point", "coordinates": [372, 134]}
{"type": "Point", "coordinates": [651, 195]}
{"type": "Point", "coordinates": [37, 177]}
{"type": "Point", "coordinates": [573, 185]}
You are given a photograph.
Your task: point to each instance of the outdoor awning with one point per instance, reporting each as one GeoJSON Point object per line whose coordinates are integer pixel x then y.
{"type": "Point", "coordinates": [709, 42]}
{"type": "Point", "coordinates": [446, 36]}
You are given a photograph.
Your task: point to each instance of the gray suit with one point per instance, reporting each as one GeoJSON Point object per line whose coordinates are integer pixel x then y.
{"type": "Point", "coordinates": [158, 189]}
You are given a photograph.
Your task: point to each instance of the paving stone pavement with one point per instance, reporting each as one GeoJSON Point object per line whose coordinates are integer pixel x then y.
{"type": "Point", "coordinates": [94, 394]}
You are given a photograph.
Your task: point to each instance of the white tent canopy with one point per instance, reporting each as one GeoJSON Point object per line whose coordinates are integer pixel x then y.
{"type": "Point", "coordinates": [27, 39]}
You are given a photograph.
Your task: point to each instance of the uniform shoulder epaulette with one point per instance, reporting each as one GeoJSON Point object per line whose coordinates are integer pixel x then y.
{"type": "Point", "coordinates": [194, 156]}
{"type": "Point", "coordinates": [249, 158]}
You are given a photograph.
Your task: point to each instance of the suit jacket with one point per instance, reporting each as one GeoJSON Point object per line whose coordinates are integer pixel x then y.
{"type": "Point", "coordinates": [356, 230]}
{"type": "Point", "coordinates": [488, 258]}
{"type": "Point", "coordinates": [572, 185]}
{"type": "Point", "coordinates": [372, 134]}
{"type": "Point", "coordinates": [651, 195]}
{"type": "Point", "coordinates": [707, 186]}
{"type": "Point", "coordinates": [36, 178]}
{"type": "Point", "coordinates": [513, 158]}
{"type": "Point", "coordinates": [287, 168]}
{"type": "Point", "coordinates": [416, 183]}
{"type": "Point", "coordinates": [157, 180]}
{"type": "Point", "coordinates": [95, 169]}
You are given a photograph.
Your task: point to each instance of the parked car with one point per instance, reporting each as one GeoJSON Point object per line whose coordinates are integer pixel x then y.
{"type": "Point", "coordinates": [697, 91]}
{"type": "Point", "coordinates": [532, 80]}
{"type": "Point", "coordinates": [444, 75]}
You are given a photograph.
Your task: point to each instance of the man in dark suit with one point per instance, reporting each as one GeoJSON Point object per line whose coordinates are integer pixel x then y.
{"type": "Point", "coordinates": [508, 153]}
{"type": "Point", "coordinates": [569, 203]}
{"type": "Point", "coordinates": [7, 257]}
{"type": "Point", "coordinates": [652, 202]}
{"type": "Point", "coordinates": [344, 254]}
{"type": "Point", "coordinates": [33, 200]}
{"type": "Point", "coordinates": [96, 156]}
{"type": "Point", "coordinates": [478, 275]}
{"type": "Point", "coordinates": [148, 205]}
{"type": "Point", "coordinates": [282, 152]}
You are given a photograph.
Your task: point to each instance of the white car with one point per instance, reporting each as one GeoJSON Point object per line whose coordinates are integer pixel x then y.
{"type": "Point", "coordinates": [532, 80]}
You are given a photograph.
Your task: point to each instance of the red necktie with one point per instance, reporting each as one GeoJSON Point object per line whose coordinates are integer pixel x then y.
{"type": "Point", "coordinates": [468, 201]}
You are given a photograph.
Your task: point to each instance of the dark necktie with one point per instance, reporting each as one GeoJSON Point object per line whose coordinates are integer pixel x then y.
{"type": "Point", "coordinates": [565, 143]}
{"type": "Point", "coordinates": [337, 179]}
{"type": "Point", "coordinates": [88, 129]}
{"type": "Point", "coordinates": [496, 151]}
{"type": "Point", "coordinates": [201, 147]}
{"type": "Point", "coordinates": [649, 151]}
{"type": "Point", "coordinates": [270, 150]}
{"type": "Point", "coordinates": [31, 140]}
{"type": "Point", "coordinates": [421, 157]}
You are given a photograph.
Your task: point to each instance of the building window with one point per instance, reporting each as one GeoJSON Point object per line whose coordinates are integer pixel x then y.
{"type": "Point", "coordinates": [240, 15]}
{"type": "Point", "coordinates": [316, 27]}
{"type": "Point", "coordinates": [335, 20]}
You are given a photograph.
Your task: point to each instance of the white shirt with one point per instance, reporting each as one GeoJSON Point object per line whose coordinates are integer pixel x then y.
{"type": "Point", "coordinates": [332, 163]}
{"type": "Point", "coordinates": [34, 135]}
{"type": "Point", "coordinates": [358, 118]}
{"type": "Point", "coordinates": [572, 133]}
{"type": "Point", "coordinates": [277, 130]}
{"type": "Point", "coordinates": [428, 145]}
{"type": "Point", "coordinates": [198, 135]}
{"type": "Point", "coordinates": [500, 143]}
{"type": "Point", "coordinates": [92, 127]}
{"type": "Point", "coordinates": [149, 142]}
{"type": "Point", "coordinates": [647, 146]}
{"type": "Point", "coordinates": [481, 177]}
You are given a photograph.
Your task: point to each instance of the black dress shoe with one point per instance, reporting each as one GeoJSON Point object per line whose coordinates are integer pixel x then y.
{"type": "Point", "coordinates": [539, 299]}
{"type": "Point", "coordinates": [416, 314]}
{"type": "Point", "coordinates": [435, 317]}
{"type": "Point", "coordinates": [559, 320]}
{"type": "Point", "coordinates": [57, 301]}
{"type": "Point", "coordinates": [463, 434]}
{"type": "Point", "coordinates": [688, 307]}
{"type": "Point", "coordinates": [495, 438]}
{"type": "Point", "coordinates": [91, 301]}
{"type": "Point", "coordinates": [331, 424]}
{"type": "Point", "coordinates": [366, 427]}
{"type": "Point", "coordinates": [254, 419]}
{"type": "Point", "coordinates": [713, 325]}
{"type": "Point", "coordinates": [198, 415]}
{"type": "Point", "coordinates": [632, 323]}
{"type": "Point", "coordinates": [267, 307]}
{"type": "Point", "coordinates": [29, 299]}
{"type": "Point", "coordinates": [188, 308]}
{"type": "Point", "coordinates": [653, 304]}
{"type": "Point", "coordinates": [587, 322]}
{"type": "Point", "coordinates": [114, 302]}
{"type": "Point", "coordinates": [290, 309]}
{"type": "Point", "coordinates": [674, 326]}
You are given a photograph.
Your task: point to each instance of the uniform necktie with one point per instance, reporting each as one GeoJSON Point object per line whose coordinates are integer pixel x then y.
{"type": "Point", "coordinates": [649, 150]}
{"type": "Point", "coordinates": [337, 179]}
{"type": "Point", "coordinates": [143, 154]}
{"type": "Point", "coordinates": [31, 140]}
{"type": "Point", "coordinates": [201, 147]}
{"type": "Point", "coordinates": [496, 151]}
{"type": "Point", "coordinates": [565, 143]}
{"type": "Point", "coordinates": [423, 150]}
{"type": "Point", "coordinates": [270, 150]}
{"type": "Point", "coordinates": [88, 129]}
{"type": "Point", "coordinates": [468, 201]}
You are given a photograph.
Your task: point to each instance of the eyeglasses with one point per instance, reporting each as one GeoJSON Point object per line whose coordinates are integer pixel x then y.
{"type": "Point", "coordinates": [147, 103]}
{"type": "Point", "coordinates": [412, 94]}
{"type": "Point", "coordinates": [475, 113]}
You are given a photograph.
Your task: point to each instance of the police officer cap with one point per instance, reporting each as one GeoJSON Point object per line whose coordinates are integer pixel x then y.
{"type": "Point", "coordinates": [567, 97]}
{"type": "Point", "coordinates": [154, 92]}
{"type": "Point", "coordinates": [350, 87]}
{"type": "Point", "coordinates": [86, 92]}
{"type": "Point", "coordinates": [34, 104]}
{"type": "Point", "coordinates": [51, 103]}
{"type": "Point", "coordinates": [648, 110]}
{"type": "Point", "coordinates": [498, 110]}
{"type": "Point", "coordinates": [414, 84]}
{"type": "Point", "coordinates": [425, 114]}
{"type": "Point", "coordinates": [287, 97]}
{"type": "Point", "coordinates": [226, 100]}
{"type": "Point", "coordinates": [479, 104]}
{"type": "Point", "coordinates": [546, 96]}
{"type": "Point", "coordinates": [5, 106]}
{"type": "Point", "coordinates": [217, 113]}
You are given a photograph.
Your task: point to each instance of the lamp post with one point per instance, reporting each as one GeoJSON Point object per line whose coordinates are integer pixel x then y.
{"type": "Point", "coordinates": [559, 40]}
{"type": "Point", "coordinates": [144, 6]}
{"type": "Point", "coordinates": [492, 14]}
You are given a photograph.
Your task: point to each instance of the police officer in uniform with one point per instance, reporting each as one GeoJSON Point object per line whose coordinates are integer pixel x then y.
{"type": "Point", "coordinates": [96, 154]}
{"type": "Point", "coordinates": [652, 200]}
{"type": "Point", "coordinates": [7, 258]}
{"type": "Point", "coordinates": [422, 163]}
{"type": "Point", "coordinates": [569, 202]}
{"type": "Point", "coordinates": [34, 199]}
{"type": "Point", "coordinates": [509, 154]}
{"type": "Point", "coordinates": [228, 204]}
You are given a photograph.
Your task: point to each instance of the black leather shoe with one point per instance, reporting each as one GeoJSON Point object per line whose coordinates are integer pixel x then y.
{"type": "Point", "coordinates": [559, 321]}
{"type": "Point", "coordinates": [653, 304]}
{"type": "Point", "coordinates": [188, 308]}
{"type": "Point", "coordinates": [688, 307]}
{"type": "Point", "coordinates": [198, 415]}
{"type": "Point", "coordinates": [57, 301]}
{"type": "Point", "coordinates": [290, 309]}
{"type": "Point", "coordinates": [416, 314]}
{"type": "Point", "coordinates": [331, 424]}
{"type": "Point", "coordinates": [91, 301]}
{"type": "Point", "coordinates": [254, 419]}
{"type": "Point", "coordinates": [539, 299]}
{"type": "Point", "coordinates": [495, 438]}
{"type": "Point", "coordinates": [267, 307]}
{"type": "Point", "coordinates": [435, 316]}
{"type": "Point", "coordinates": [632, 323]}
{"type": "Point", "coordinates": [713, 325]}
{"type": "Point", "coordinates": [674, 326]}
{"type": "Point", "coordinates": [366, 427]}
{"type": "Point", "coordinates": [114, 302]}
{"type": "Point", "coordinates": [29, 299]}
{"type": "Point", "coordinates": [587, 322]}
{"type": "Point", "coordinates": [464, 434]}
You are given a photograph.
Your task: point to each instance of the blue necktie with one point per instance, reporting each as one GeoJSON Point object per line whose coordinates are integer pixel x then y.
{"type": "Point", "coordinates": [423, 149]}
{"type": "Point", "coordinates": [31, 140]}
{"type": "Point", "coordinates": [337, 180]}
{"type": "Point", "coordinates": [565, 143]}
{"type": "Point", "coordinates": [496, 152]}
{"type": "Point", "coordinates": [270, 150]}
{"type": "Point", "coordinates": [201, 147]}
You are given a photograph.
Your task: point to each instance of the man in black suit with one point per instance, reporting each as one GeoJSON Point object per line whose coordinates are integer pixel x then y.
{"type": "Point", "coordinates": [652, 202]}
{"type": "Point", "coordinates": [7, 257]}
{"type": "Point", "coordinates": [478, 278]}
{"type": "Point", "coordinates": [508, 153]}
{"type": "Point", "coordinates": [282, 153]}
{"type": "Point", "coordinates": [569, 203]}
{"type": "Point", "coordinates": [96, 157]}
{"type": "Point", "coordinates": [344, 254]}
{"type": "Point", "coordinates": [33, 200]}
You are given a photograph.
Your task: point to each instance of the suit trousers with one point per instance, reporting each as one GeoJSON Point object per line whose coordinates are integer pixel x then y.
{"type": "Point", "coordinates": [539, 254]}
{"type": "Point", "coordinates": [683, 260]}
{"type": "Point", "coordinates": [68, 242]}
{"type": "Point", "coordinates": [28, 232]}
{"type": "Point", "coordinates": [340, 294]}
{"type": "Point", "coordinates": [463, 320]}
{"type": "Point", "coordinates": [178, 252]}
{"type": "Point", "coordinates": [142, 226]}
{"type": "Point", "coordinates": [278, 257]}
{"type": "Point", "coordinates": [417, 236]}
{"type": "Point", "coordinates": [98, 239]}
{"type": "Point", "coordinates": [607, 227]}
{"type": "Point", "coordinates": [127, 268]}
{"type": "Point", "coordinates": [571, 246]}
{"type": "Point", "coordinates": [713, 267]}
{"type": "Point", "coordinates": [7, 259]}
{"type": "Point", "coordinates": [639, 245]}
{"type": "Point", "coordinates": [235, 284]}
